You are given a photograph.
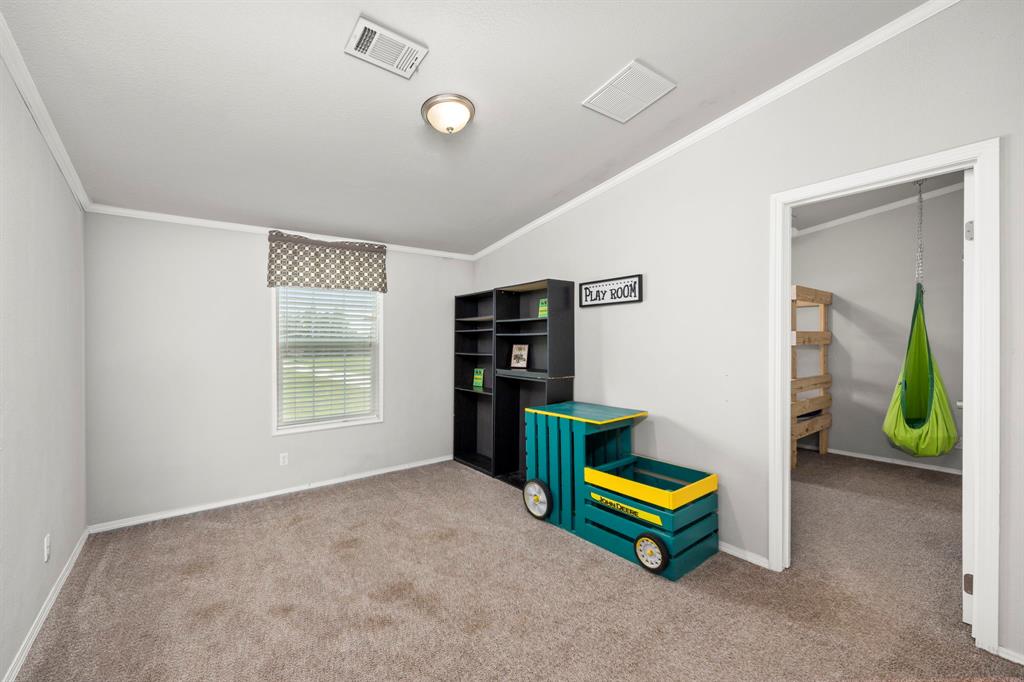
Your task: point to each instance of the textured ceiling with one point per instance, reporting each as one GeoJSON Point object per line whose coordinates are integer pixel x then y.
{"type": "Point", "coordinates": [251, 112]}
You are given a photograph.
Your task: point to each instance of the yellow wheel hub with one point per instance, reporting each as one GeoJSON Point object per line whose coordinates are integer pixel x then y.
{"type": "Point", "coordinates": [651, 555]}
{"type": "Point", "coordinates": [537, 498]}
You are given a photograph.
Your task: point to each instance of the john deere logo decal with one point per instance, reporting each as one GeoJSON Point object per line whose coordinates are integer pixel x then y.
{"type": "Point", "coordinates": [627, 510]}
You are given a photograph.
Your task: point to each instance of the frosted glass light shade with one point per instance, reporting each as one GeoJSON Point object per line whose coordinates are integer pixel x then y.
{"type": "Point", "coordinates": [448, 113]}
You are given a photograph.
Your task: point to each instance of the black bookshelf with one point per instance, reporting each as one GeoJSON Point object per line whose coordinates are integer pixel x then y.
{"type": "Point", "coordinates": [473, 442]}
{"type": "Point", "coordinates": [489, 424]}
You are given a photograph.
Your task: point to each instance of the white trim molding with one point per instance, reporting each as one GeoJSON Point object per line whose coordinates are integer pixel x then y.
{"type": "Point", "coordinates": [922, 12]}
{"type": "Point", "coordinates": [1010, 655]}
{"type": "Point", "coordinates": [981, 415]}
{"type": "Point", "coordinates": [183, 511]}
{"type": "Point", "coordinates": [256, 229]}
{"type": "Point", "coordinates": [44, 611]}
{"type": "Point", "coordinates": [322, 426]}
{"type": "Point", "coordinates": [884, 208]}
{"type": "Point", "coordinates": [743, 554]}
{"type": "Point", "coordinates": [898, 462]}
{"type": "Point", "coordinates": [11, 55]}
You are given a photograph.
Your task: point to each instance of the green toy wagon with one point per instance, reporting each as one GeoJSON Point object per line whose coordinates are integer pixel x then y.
{"type": "Point", "coordinates": [582, 475]}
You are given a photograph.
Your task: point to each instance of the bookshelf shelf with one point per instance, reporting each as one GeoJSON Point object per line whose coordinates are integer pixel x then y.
{"type": "Point", "coordinates": [489, 433]}
{"type": "Point", "coordinates": [523, 374]}
{"type": "Point", "coordinates": [474, 391]}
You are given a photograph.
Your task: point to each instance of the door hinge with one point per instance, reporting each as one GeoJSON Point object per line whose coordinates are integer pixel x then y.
{"type": "Point", "coordinates": [969, 230]}
{"type": "Point", "coordinates": [969, 583]}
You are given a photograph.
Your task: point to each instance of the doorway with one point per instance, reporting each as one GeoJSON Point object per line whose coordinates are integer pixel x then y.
{"type": "Point", "coordinates": [980, 493]}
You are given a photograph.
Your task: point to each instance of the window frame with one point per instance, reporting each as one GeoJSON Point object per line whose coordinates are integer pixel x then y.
{"type": "Point", "coordinates": [341, 422]}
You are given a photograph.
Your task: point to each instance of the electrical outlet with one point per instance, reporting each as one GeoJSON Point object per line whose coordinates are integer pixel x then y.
{"type": "Point", "coordinates": [284, 459]}
{"type": "Point", "coordinates": [46, 548]}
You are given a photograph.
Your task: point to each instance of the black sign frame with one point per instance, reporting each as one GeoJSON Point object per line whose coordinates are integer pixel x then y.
{"type": "Point", "coordinates": [639, 290]}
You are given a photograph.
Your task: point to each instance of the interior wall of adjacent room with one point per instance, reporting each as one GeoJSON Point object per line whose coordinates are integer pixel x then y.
{"type": "Point", "coordinates": [42, 430]}
{"type": "Point", "coordinates": [694, 352]}
{"type": "Point", "coordinates": [868, 265]}
{"type": "Point", "coordinates": [179, 358]}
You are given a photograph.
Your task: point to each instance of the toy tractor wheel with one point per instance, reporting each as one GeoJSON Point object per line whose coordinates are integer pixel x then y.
{"type": "Point", "coordinates": [537, 498]}
{"type": "Point", "coordinates": [651, 552]}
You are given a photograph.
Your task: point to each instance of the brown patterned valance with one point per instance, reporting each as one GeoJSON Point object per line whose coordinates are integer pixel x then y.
{"type": "Point", "coordinates": [296, 261]}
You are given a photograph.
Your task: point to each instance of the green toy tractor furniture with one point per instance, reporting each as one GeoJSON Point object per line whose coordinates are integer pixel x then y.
{"type": "Point", "coordinates": [583, 477]}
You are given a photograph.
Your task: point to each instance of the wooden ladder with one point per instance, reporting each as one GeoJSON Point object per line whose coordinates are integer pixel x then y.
{"type": "Point", "coordinates": [821, 383]}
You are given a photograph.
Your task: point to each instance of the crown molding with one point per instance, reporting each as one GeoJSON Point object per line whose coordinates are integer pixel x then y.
{"type": "Point", "coordinates": [897, 26]}
{"type": "Point", "coordinates": [891, 206]}
{"type": "Point", "coordinates": [11, 57]}
{"type": "Point", "coordinates": [256, 229]}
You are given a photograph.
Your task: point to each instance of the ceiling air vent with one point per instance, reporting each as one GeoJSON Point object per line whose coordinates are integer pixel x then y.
{"type": "Point", "coordinates": [629, 92]}
{"type": "Point", "coordinates": [384, 48]}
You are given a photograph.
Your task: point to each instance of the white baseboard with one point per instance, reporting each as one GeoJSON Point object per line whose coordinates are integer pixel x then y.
{"type": "Point", "coordinates": [900, 462]}
{"type": "Point", "coordinates": [44, 611]}
{"type": "Point", "coordinates": [735, 551]}
{"type": "Point", "coordinates": [182, 511]}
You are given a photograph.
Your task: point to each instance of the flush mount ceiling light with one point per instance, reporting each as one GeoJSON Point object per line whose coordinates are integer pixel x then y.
{"type": "Point", "coordinates": [448, 113]}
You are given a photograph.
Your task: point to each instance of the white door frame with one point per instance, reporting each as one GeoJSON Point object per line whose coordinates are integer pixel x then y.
{"type": "Point", "coordinates": [981, 367]}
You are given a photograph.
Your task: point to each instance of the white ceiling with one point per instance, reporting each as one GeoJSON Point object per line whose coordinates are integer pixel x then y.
{"type": "Point", "coordinates": [820, 212]}
{"type": "Point", "coordinates": [251, 112]}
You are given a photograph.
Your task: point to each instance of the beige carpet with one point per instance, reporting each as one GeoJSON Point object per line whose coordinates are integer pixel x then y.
{"type": "Point", "coordinates": [438, 573]}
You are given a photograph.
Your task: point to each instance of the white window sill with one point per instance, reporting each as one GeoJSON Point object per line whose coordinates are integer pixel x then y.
{"type": "Point", "coordinates": [324, 426]}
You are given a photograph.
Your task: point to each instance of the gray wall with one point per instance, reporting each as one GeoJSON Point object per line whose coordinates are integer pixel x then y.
{"type": "Point", "coordinates": [42, 436]}
{"type": "Point", "coordinates": [868, 265]}
{"type": "Point", "coordinates": [179, 361]}
{"type": "Point", "coordinates": [694, 352]}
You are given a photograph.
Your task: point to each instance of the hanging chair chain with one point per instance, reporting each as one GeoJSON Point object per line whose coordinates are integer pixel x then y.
{"type": "Point", "coordinates": [919, 271]}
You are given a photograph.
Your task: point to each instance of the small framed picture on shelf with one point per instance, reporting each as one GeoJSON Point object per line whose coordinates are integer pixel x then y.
{"type": "Point", "coordinates": [520, 353]}
{"type": "Point", "coordinates": [542, 308]}
{"type": "Point", "coordinates": [478, 379]}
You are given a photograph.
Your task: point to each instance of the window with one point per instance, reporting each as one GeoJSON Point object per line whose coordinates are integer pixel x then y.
{"type": "Point", "coordinates": [328, 364]}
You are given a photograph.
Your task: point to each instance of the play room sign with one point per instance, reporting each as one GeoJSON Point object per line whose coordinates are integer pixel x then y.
{"type": "Point", "coordinates": [628, 289]}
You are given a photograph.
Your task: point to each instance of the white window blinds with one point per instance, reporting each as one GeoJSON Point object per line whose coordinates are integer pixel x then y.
{"type": "Point", "coordinates": [328, 355]}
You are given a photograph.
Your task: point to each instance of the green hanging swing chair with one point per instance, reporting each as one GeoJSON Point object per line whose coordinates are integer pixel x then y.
{"type": "Point", "coordinates": [919, 420]}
